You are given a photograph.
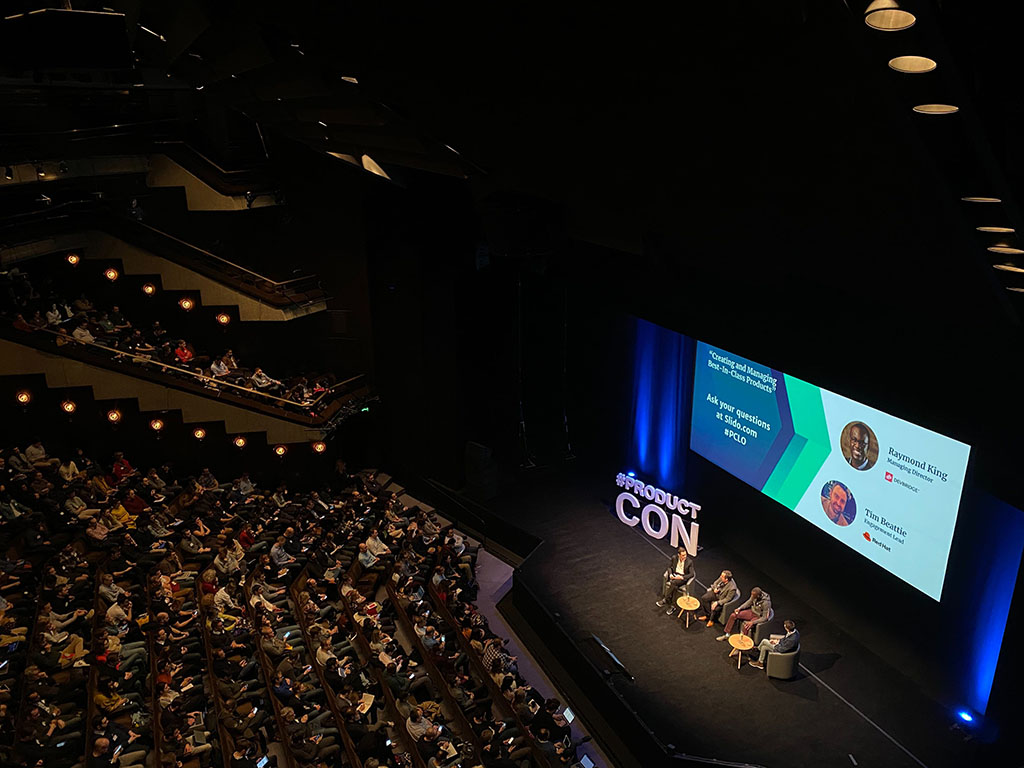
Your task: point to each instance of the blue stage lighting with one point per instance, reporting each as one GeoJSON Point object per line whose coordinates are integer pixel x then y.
{"type": "Point", "coordinates": [631, 474]}
{"type": "Point", "coordinates": [966, 716]}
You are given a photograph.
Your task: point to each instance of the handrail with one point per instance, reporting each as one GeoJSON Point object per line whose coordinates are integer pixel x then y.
{"type": "Point", "coordinates": [266, 667]}
{"type": "Point", "coordinates": [225, 739]}
{"type": "Point", "coordinates": [207, 380]}
{"type": "Point", "coordinates": [435, 674]}
{"type": "Point", "coordinates": [367, 653]}
{"type": "Point", "coordinates": [478, 665]}
{"type": "Point", "coordinates": [331, 694]}
{"type": "Point", "coordinates": [91, 208]}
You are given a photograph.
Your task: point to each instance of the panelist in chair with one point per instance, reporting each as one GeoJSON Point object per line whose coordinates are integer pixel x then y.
{"type": "Point", "coordinates": [721, 592]}
{"type": "Point", "coordinates": [756, 610]}
{"type": "Point", "coordinates": [679, 575]}
{"type": "Point", "coordinates": [784, 644]}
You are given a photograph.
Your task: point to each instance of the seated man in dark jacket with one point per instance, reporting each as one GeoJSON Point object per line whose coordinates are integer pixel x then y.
{"type": "Point", "coordinates": [784, 644]}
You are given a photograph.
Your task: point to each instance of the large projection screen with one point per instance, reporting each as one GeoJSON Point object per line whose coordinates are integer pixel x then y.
{"type": "Point", "coordinates": [882, 486]}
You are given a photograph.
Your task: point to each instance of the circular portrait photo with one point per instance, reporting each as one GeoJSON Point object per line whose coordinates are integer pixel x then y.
{"type": "Point", "coordinates": [838, 502]}
{"type": "Point", "coordinates": [859, 445]}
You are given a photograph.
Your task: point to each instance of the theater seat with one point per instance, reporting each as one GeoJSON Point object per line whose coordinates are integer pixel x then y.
{"type": "Point", "coordinates": [783, 665]}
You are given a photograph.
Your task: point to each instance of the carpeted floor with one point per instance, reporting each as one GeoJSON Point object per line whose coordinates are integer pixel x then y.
{"type": "Point", "coordinates": [602, 577]}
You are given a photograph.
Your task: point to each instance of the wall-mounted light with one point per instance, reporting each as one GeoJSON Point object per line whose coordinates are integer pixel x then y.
{"type": "Point", "coordinates": [239, 442]}
{"type": "Point", "coordinates": [149, 289]}
{"type": "Point", "coordinates": [73, 259]}
{"type": "Point", "coordinates": [23, 396]}
{"type": "Point", "coordinates": [199, 433]}
{"type": "Point", "coordinates": [114, 416]}
{"type": "Point", "coordinates": [280, 450]}
{"type": "Point", "coordinates": [156, 425]}
{"type": "Point", "coordinates": [186, 303]}
{"type": "Point", "coordinates": [319, 446]}
{"type": "Point", "coordinates": [69, 406]}
{"type": "Point", "coordinates": [223, 318]}
{"type": "Point", "coordinates": [111, 274]}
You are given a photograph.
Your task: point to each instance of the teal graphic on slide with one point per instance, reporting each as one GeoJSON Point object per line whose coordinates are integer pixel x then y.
{"type": "Point", "coordinates": [883, 486]}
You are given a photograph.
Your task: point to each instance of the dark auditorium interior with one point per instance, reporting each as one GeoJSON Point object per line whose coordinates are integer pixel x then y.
{"type": "Point", "coordinates": [330, 330]}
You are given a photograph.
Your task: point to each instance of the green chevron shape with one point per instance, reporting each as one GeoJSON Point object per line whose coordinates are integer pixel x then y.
{"type": "Point", "coordinates": [807, 451]}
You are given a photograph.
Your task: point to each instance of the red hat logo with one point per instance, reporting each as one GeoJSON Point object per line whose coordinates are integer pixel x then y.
{"type": "Point", "coordinates": [867, 536]}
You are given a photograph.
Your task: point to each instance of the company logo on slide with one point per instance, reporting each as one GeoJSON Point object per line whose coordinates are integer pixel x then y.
{"type": "Point", "coordinates": [867, 536]}
{"type": "Point", "coordinates": [888, 477]}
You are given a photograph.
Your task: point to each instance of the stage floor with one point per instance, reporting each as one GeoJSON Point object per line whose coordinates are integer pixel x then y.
{"type": "Point", "coordinates": [846, 707]}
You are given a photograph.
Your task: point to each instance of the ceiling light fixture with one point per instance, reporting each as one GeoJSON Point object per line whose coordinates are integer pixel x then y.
{"type": "Point", "coordinates": [912, 65]}
{"type": "Point", "coordinates": [156, 425]}
{"type": "Point", "coordinates": [40, 172]}
{"type": "Point", "coordinates": [73, 259]}
{"type": "Point", "coordinates": [1015, 289]}
{"type": "Point", "coordinates": [111, 274]}
{"type": "Point", "coordinates": [223, 318]}
{"type": "Point", "coordinates": [23, 396]}
{"type": "Point", "coordinates": [998, 230]}
{"type": "Point", "coordinates": [239, 442]}
{"type": "Point", "coordinates": [981, 199]}
{"type": "Point", "coordinates": [280, 450]}
{"type": "Point", "coordinates": [1009, 268]}
{"type": "Point", "coordinates": [936, 109]}
{"type": "Point", "coordinates": [199, 433]}
{"type": "Point", "coordinates": [319, 446]}
{"type": "Point", "coordinates": [113, 416]}
{"type": "Point", "coordinates": [69, 406]}
{"type": "Point", "coordinates": [9, 173]}
{"type": "Point", "coordinates": [148, 288]}
{"type": "Point", "coordinates": [890, 20]}
{"type": "Point", "coordinates": [1005, 249]}
{"type": "Point", "coordinates": [186, 303]}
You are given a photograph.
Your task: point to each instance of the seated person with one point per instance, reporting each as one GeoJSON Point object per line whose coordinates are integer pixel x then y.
{"type": "Point", "coordinates": [785, 644]}
{"type": "Point", "coordinates": [678, 576]}
{"type": "Point", "coordinates": [722, 591]}
{"type": "Point", "coordinates": [754, 611]}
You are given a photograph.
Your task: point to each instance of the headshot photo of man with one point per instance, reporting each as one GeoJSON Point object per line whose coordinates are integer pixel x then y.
{"type": "Point", "coordinates": [859, 445]}
{"type": "Point", "coordinates": [838, 503]}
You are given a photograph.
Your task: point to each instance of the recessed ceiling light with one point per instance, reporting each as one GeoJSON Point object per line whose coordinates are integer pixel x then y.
{"type": "Point", "coordinates": [981, 199]}
{"type": "Point", "coordinates": [880, 5]}
{"type": "Point", "coordinates": [936, 109]}
{"type": "Point", "coordinates": [1005, 249]}
{"type": "Point", "coordinates": [1009, 268]}
{"type": "Point", "coordinates": [912, 65]}
{"type": "Point", "coordinates": [890, 20]}
{"type": "Point", "coordinates": [999, 230]}
{"type": "Point", "coordinates": [1014, 289]}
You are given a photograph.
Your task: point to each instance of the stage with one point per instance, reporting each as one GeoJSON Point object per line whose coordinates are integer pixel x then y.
{"type": "Point", "coordinates": [846, 707]}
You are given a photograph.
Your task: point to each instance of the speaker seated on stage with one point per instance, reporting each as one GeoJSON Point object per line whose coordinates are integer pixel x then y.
{"type": "Point", "coordinates": [722, 592]}
{"type": "Point", "coordinates": [785, 644]}
{"type": "Point", "coordinates": [756, 610]}
{"type": "Point", "coordinates": [678, 576]}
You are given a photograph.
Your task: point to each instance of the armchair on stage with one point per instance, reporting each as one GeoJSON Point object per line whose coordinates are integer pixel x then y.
{"type": "Point", "coordinates": [762, 630]}
{"type": "Point", "coordinates": [782, 665]}
{"type": "Point", "coordinates": [728, 608]}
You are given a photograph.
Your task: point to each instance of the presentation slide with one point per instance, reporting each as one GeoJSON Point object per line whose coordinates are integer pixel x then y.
{"type": "Point", "coordinates": [882, 486]}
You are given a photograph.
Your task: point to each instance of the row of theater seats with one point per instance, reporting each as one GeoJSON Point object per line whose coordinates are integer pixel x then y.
{"type": "Point", "coordinates": [61, 311]}
{"type": "Point", "coordinates": [192, 623]}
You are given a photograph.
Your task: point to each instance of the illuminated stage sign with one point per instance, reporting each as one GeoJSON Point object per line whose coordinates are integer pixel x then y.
{"type": "Point", "coordinates": [658, 512]}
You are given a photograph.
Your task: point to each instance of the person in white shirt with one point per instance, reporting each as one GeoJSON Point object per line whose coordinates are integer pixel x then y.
{"type": "Point", "coordinates": [81, 333]}
{"type": "Point", "coordinates": [377, 547]}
